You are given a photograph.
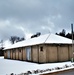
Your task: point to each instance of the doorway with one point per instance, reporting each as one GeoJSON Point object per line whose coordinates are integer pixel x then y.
{"type": "Point", "coordinates": [28, 53]}
{"type": "Point", "coordinates": [8, 54]}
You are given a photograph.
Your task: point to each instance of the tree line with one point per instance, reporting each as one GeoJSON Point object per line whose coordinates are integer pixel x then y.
{"type": "Point", "coordinates": [63, 33]}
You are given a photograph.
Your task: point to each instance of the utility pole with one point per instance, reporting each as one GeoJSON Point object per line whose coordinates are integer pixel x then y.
{"type": "Point", "coordinates": [72, 43]}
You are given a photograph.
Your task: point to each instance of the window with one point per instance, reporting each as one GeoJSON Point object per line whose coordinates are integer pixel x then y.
{"type": "Point", "coordinates": [19, 50]}
{"type": "Point", "coordinates": [41, 48]}
{"type": "Point", "coordinates": [13, 51]}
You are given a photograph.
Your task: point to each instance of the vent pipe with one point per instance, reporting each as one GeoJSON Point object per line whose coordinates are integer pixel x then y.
{"type": "Point", "coordinates": [72, 43]}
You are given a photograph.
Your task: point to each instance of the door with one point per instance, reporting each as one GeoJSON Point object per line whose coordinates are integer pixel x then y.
{"type": "Point", "coordinates": [28, 53]}
{"type": "Point", "coordinates": [8, 54]}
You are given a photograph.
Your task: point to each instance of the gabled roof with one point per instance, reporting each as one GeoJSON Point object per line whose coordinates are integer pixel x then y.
{"type": "Point", "coordinates": [48, 38]}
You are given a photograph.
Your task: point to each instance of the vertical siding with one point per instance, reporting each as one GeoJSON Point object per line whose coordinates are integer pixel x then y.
{"type": "Point", "coordinates": [63, 53]}
{"type": "Point", "coordinates": [17, 54]}
{"type": "Point", "coordinates": [70, 52]}
{"type": "Point", "coordinates": [14, 53]}
{"type": "Point", "coordinates": [42, 54]}
{"type": "Point", "coordinates": [5, 54]}
{"type": "Point", "coordinates": [24, 54]}
{"type": "Point", "coordinates": [20, 54]}
{"type": "Point", "coordinates": [11, 54]}
{"type": "Point", "coordinates": [52, 53]}
{"type": "Point", "coordinates": [35, 53]}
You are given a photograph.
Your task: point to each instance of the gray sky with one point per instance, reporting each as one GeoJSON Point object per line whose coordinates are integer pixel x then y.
{"type": "Point", "coordinates": [26, 17]}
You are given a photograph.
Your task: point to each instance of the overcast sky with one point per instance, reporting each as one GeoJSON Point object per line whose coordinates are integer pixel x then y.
{"type": "Point", "coordinates": [26, 17]}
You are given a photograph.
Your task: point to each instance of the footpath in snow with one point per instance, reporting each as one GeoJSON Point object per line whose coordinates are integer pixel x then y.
{"type": "Point", "coordinates": [7, 67]}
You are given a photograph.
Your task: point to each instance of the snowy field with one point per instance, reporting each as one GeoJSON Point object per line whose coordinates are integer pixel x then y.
{"type": "Point", "coordinates": [19, 67]}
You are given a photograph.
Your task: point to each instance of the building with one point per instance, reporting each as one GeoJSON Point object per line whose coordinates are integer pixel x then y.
{"type": "Point", "coordinates": [42, 49]}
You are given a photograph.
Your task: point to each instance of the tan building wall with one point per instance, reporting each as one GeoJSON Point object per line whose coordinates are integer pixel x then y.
{"type": "Point", "coordinates": [5, 54]}
{"type": "Point", "coordinates": [14, 53]}
{"type": "Point", "coordinates": [63, 54]}
{"type": "Point", "coordinates": [52, 54]}
{"type": "Point", "coordinates": [35, 53]}
{"type": "Point", "coordinates": [17, 54]}
{"type": "Point", "coordinates": [20, 54]}
{"type": "Point", "coordinates": [70, 52]}
{"type": "Point", "coordinates": [11, 52]}
{"type": "Point", "coordinates": [24, 54]}
{"type": "Point", "coordinates": [42, 54]}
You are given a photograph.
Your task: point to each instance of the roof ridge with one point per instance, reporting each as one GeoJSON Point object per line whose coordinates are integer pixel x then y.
{"type": "Point", "coordinates": [47, 37]}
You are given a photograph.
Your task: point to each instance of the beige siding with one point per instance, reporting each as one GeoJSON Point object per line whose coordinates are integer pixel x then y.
{"type": "Point", "coordinates": [35, 53]}
{"type": "Point", "coordinates": [42, 54]}
{"type": "Point", "coordinates": [20, 53]}
{"type": "Point", "coordinates": [63, 53]}
{"type": "Point", "coordinates": [52, 53]}
{"type": "Point", "coordinates": [5, 54]}
{"type": "Point", "coordinates": [11, 54]}
{"type": "Point", "coordinates": [14, 53]}
{"type": "Point", "coordinates": [17, 54]}
{"type": "Point", "coordinates": [24, 54]}
{"type": "Point", "coordinates": [70, 52]}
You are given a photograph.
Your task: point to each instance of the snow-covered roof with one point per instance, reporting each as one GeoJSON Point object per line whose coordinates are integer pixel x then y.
{"type": "Point", "coordinates": [48, 38]}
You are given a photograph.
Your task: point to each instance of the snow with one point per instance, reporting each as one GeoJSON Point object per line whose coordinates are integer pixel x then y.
{"type": "Point", "coordinates": [18, 67]}
{"type": "Point", "coordinates": [58, 39]}
{"type": "Point", "coordinates": [32, 41]}
{"type": "Point", "coordinates": [48, 38]}
{"type": "Point", "coordinates": [5, 44]}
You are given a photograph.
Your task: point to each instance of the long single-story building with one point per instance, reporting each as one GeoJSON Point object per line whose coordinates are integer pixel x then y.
{"type": "Point", "coordinates": [43, 49]}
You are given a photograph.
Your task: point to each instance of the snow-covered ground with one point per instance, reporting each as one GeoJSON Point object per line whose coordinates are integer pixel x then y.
{"type": "Point", "coordinates": [18, 67]}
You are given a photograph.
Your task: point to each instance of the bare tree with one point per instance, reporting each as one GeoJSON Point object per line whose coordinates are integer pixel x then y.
{"type": "Point", "coordinates": [14, 39]}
